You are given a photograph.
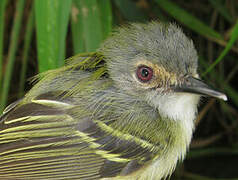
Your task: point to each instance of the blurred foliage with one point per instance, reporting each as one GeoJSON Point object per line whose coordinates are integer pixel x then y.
{"type": "Point", "coordinates": [37, 35]}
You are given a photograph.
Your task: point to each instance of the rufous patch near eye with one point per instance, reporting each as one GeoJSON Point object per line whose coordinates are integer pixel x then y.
{"type": "Point", "coordinates": [155, 75]}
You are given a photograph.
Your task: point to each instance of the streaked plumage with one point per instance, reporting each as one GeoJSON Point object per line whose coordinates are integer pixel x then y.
{"type": "Point", "coordinates": [93, 119]}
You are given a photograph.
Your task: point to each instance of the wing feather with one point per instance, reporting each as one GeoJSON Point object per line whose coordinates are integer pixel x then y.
{"type": "Point", "coordinates": [53, 143]}
{"type": "Point", "coordinates": [58, 133]}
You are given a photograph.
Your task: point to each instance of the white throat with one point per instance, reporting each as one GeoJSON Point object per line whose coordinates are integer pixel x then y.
{"type": "Point", "coordinates": [180, 107]}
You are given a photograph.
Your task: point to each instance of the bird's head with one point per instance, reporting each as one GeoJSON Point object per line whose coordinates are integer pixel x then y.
{"type": "Point", "coordinates": [158, 63]}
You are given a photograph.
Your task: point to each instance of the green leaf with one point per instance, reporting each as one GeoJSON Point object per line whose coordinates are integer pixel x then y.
{"type": "Point", "coordinates": [87, 26]}
{"type": "Point", "coordinates": [106, 16]}
{"type": "Point", "coordinates": [27, 41]}
{"type": "Point", "coordinates": [188, 19]}
{"type": "Point", "coordinates": [3, 4]}
{"type": "Point", "coordinates": [77, 29]}
{"type": "Point", "coordinates": [221, 8]}
{"type": "Point", "coordinates": [234, 36]}
{"type": "Point", "coordinates": [130, 11]}
{"type": "Point", "coordinates": [52, 17]}
{"type": "Point", "coordinates": [12, 51]}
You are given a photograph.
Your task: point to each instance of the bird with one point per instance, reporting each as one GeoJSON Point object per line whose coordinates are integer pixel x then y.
{"type": "Point", "coordinates": [126, 111]}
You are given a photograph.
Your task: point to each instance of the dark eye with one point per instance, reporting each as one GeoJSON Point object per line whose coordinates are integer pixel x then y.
{"type": "Point", "coordinates": [144, 73]}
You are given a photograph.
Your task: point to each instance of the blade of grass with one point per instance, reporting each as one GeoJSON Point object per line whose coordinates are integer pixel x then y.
{"type": "Point", "coordinates": [63, 22]}
{"type": "Point", "coordinates": [12, 51]}
{"type": "Point", "coordinates": [27, 41]}
{"type": "Point", "coordinates": [217, 4]}
{"type": "Point", "coordinates": [234, 36]}
{"type": "Point", "coordinates": [3, 4]}
{"type": "Point", "coordinates": [106, 16]}
{"type": "Point", "coordinates": [188, 19]}
{"type": "Point", "coordinates": [130, 11]}
{"type": "Point", "coordinates": [77, 29]}
{"type": "Point", "coordinates": [86, 26]}
{"type": "Point", "coordinates": [52, 17]}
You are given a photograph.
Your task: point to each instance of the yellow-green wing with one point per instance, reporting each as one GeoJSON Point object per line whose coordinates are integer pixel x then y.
{"type": "Point", "coordinates": [45, 140]}
{"type": "Point", "coordinates": [59, 131]}
{"type": "Point", "coordinates": [40, 142]}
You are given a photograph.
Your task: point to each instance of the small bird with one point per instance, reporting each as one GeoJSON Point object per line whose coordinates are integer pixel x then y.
{"type": "Point", "coordinates": [126, 111]}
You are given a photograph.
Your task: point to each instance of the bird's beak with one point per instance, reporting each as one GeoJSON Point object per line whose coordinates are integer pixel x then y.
{"type": "Point", "coordinates": [196, 86]}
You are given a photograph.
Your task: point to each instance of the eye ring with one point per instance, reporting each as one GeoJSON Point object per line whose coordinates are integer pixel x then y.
{"type": "Point", "coordinates": [144, 73]}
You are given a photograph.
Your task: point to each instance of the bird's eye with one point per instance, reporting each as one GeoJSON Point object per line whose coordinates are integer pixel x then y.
{"type": "Point", "coordinates": [144, 73]}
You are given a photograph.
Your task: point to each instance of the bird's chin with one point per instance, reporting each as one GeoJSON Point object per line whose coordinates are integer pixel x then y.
{"type": "Point", "coordinates": [175, 106]}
